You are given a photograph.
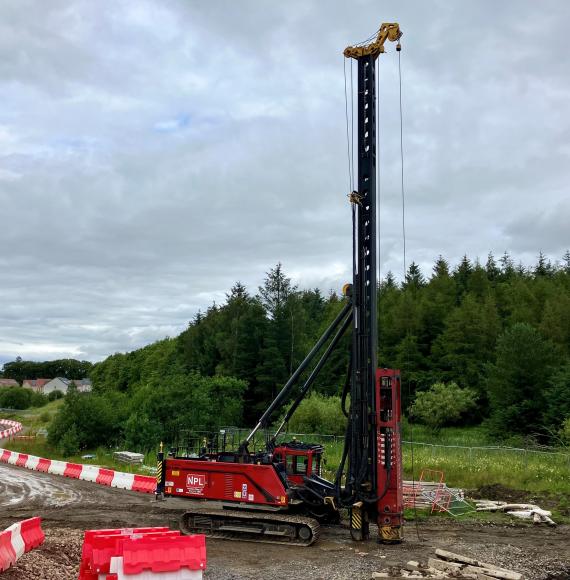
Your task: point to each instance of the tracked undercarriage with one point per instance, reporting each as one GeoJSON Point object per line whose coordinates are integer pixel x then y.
{"type": "Point", "coordinates": [270, 528]}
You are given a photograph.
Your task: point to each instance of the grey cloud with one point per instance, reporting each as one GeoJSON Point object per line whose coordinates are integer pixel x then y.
{"type": "Point", "coordinates": [151, 154]}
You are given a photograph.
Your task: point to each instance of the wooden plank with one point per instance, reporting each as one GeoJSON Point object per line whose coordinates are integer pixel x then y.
{"type": "Point", "coordinates": [489, 569]}
{"type": "Point", "coordinates": [444, 565]}
{"type": "Point", "coordinates": [501, 574]}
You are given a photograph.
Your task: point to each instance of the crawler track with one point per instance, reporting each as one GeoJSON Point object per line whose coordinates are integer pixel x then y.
{"type": "Point", "coordinates": [252, 527]}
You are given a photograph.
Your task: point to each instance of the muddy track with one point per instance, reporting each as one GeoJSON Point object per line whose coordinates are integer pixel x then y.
{"type": "Point", "coordinates": [68, 507]}
{"type": "Point", "coordinates": [33, 489]}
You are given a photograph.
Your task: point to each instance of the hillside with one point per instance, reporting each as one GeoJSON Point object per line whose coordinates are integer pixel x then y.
{"type": "Point", "coordinates": [500, 330]}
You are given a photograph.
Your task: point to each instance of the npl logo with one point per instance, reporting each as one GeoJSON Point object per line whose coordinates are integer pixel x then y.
{"type": "Point", "coordinates": [195, 481]}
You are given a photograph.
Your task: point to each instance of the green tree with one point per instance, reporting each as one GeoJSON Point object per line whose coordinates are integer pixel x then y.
{"type": "Point", "coordinates": [467, 342]}
{"type": "Point", "coordinates": [95, 419]}
{"type": "Point", "coordinates": [15, 398]}
{"type": "Point", "coordinates": [543, 266]}
{"type": "Point", "coordinates": [318, 414]}
{"type": "Point", "coordinates": [414, 278]}
{"type": "Point", "coordinates": [566, 262]}
{"type": "Point", "coordinates": [479, 285]}
{"type": "Point", "coordinates": [517, 381]}
{"type": "Point", "coordinates": [438, 301]}
{"type": "Point", "coordinates": [20, 369]}
{"type": "Point", "coordinates": [443, 405]}
{"type": "Point", "coordinates": [557, 407]}
{"type": "Point", "coordinates": [275, 290]}
{"type": "Point", "coordinates": [493, 271]}
{"type": "Point", "coordinates": [462, 276]}
{"type": "Point", "coordinates": [271, 374]}
{"type": "Point", "coordinates": [507, 266]}
{"type": "Point", "coordinates": [69, 442]}
{"type": "Point", "coordinates": [555, 323]}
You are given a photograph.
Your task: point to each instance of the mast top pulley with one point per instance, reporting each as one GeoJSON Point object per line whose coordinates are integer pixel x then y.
{"type": "Point", "coordinates": [387, 31]}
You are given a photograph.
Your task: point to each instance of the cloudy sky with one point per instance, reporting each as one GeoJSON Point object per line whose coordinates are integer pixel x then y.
{"type": "Point", "coordinates": [153, 152]}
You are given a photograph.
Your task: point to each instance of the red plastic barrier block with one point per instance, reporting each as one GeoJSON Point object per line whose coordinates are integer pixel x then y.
{"type": "Point", "coordinates": [32, 533]}
{"type": "Point", "coordinates": [5, 456]}
{"type": "Point", "coordinates": [105, 476]}
{"type": "Point", "coordinates": [164, 554]}
{"type": "Point", "coordinates": [104, 547]}
{"type": "Point", "coordinates": [21, 461]}
{"type": "Point", "coordinates": [73, 470]}
{"type": "Point", "coordinates": [7, 553]}
{"type": "Point", "coordinates": [43, 465]}
{"type": "Point", "coordinates": [92, 540]}
{"type": "Point", "coordinates": [144, 484]}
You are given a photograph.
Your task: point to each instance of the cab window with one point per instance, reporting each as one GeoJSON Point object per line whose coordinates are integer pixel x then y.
{"type": "Point", "coordinates": [297, 464]}
{"type": "Point", "coordinates": [301, 466]}
{"type": "Point", "coordinates": [316, 465]}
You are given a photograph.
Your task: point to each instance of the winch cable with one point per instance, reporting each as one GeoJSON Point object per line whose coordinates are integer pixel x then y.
{"type": "Point", "coordinates": [348, 154]}
{"type": "Point", "coordinates": [403, 195]}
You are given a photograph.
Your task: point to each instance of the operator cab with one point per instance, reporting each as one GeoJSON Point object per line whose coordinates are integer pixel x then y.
{"type": "Point", "coordinates": [298, 460]}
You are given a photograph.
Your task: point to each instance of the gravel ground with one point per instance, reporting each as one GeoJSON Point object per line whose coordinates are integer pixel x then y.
{"type": "Point", "coordinates": [58, 558]}
{"type": "Point", "coordinates": [540, 553]}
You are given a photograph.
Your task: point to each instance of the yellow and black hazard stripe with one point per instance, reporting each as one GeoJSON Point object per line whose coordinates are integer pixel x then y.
{"type": "Point", "coordinates": [356, 518]}
{"type": "Point", "coordinates": [391, 534]}
{"type": "Point", "coordinates": [159, 472]}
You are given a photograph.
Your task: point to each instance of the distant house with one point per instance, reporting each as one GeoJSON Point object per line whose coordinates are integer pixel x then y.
{"type": "Point", "coordinates": [9, 383]}
{"type": "Point", "coordinates": [58, 384]}
{"type": "Point", "coordinates": [83, 385]}
{"type": "Point", "coordinates": [35, 384]}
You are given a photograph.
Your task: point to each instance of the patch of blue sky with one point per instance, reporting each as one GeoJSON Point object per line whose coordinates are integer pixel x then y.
{"type": "Point", "coordinates": [175, 124]}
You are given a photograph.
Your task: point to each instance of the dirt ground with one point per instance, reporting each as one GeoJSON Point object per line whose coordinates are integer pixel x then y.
{"type": "Point", "coordinates": [68, 507]}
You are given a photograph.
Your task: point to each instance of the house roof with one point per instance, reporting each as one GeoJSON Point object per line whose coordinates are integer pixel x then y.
{"type": "Point", "coordinates": [82, 382]}
{"type": "Point", "coordinates": [36, 382]}
{"type": "Point", "coordinates": [63, 380]}
{"type": "Point", "coordinates": [9, 383]}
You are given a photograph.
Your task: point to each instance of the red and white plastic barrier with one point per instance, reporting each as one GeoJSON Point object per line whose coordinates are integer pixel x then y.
{"type": "Point", "coordinates": [143, 553]}
{"type": "Point", "coordinates": [101, 475]}
{"type": "Point", "coordinates": [13, 428]}
{"type": "Point", "coordinates": [18, 539]}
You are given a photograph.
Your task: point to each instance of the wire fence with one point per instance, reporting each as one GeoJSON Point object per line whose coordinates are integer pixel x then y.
{"type": "Point", "coordinates": [323, 438]}
{"type": "Point", "coordinates": [469, 452]}
{"type": "Point", "coordinates": [463, 464]}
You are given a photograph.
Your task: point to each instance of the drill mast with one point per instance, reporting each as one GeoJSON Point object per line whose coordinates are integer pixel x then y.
{"type": "Point", "coordinates": [374, 409]}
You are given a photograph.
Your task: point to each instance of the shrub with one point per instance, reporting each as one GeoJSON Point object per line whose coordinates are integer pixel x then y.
{"type": "Point", "coordinates": [38, 400]}
{"type": "Point", "coordinates": [318, 414]}
{"type": "Point", "coordinates": [93, 420]}
{"type": "Point", "coordinates": [69, 442]}
{"type": "Point", "coordinates": [15, 398]}
{"type": "Point", "coordinates": [45, 417]}
{"type": "Point", "coordinates": [55, 395]}
{"type": "Point", "coordinates": [443, 404]}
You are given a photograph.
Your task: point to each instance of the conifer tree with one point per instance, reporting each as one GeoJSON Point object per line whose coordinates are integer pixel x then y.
{"type": "Point", "coordinates": [414, 278]}
{"type": "Point", "coordinates": [462, 275]}
{"type": "Point", "coordinates": [492, 269]}
{"type": "Point", "coordinates": [566, 262]}
{"type": "Point", "coordinates": [507, 266]}
{"type": "Point", "coordinates": [518, 380]}
{"type": "Point", "coordinates": [543, 266]}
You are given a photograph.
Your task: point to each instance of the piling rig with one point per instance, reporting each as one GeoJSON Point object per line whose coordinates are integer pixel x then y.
{"type": "Point", "coordinates": [277, 494]}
